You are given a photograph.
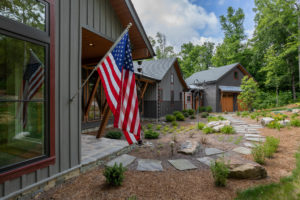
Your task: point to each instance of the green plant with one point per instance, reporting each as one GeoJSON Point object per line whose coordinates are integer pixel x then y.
{"type": "Point", "coordinates": [132, 198]}
{"type": "Point", "coordinates": [176, 112]}
{"type": "Point", "coordinates": [150, 134]}
{"type": "Point", "coordinates": [238, 113]}
{"type": "Point", "coordinates": [200, 125]}
{"type": "Point", "coordinates": [172, 145]}
{"type": "Point", "coordinates": [220, 172]}
{"type": "Point", "coordinates": [179, 116]}
{"type": "Point", "coordinates": [170, 118]}
{"type": "Point", "coordinates": [207, 130]}
{"type": "Point", "coordinates": [204, 115]}
{"type": "Point", "coordinates": [202, 109]}
{"type": "Point", "coordinates": [245, 114]}
{"type": "Point", "coordinates": [212, 118]}
{"type": "Point", "coordinates": [114, 175]}
{"type": "Point", "coordinates": [149, 126]}
{"type": "Point", "coordinates": [238, 140]}
{"type": "Point", "coordinates": [295, 122]}
{"type": "Point", "coordinates": [294, 115]}
{"type": "Point", "coordinates": [166, 128]}
{"type": "Point", "coordinates": [192, 133]}
{"type": "Point", "coordinates": [203, 140]}
{"type": "Point", "coordinates": [249, 92]}
{"type": "Point", "coordinates": [221, 118]}
{"type": "Point", "coordinates": [271, 146]}
{"type": "Point", "coordinates": [258, 153]}
{"type": "Point", "coordinates": [114, 135]}
{"type": "Point", "coordinates": [158, 127]}
{"type": "Point", "coordinates": [185, 112]}
{"type": "Point", "coordinates": [174, 123]}
{"type": "Point", "coordinates": [192, 117]}
{"type": "Point", "coordinates": [227, 130]}
{"type": "Point", "coordinates": [208, 109]}
{"type": "Point", "coordinates": [275, 125]}
{"type": "Point", "coordinates": [191, 112]}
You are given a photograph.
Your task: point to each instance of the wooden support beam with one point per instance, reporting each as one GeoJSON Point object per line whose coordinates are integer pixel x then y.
{"type": "Point", "coordinates": [91, 97]}
{"type": "Point", "coordinates": [106, 114]}
{"type": "Point", "coordinates": [144, 90]}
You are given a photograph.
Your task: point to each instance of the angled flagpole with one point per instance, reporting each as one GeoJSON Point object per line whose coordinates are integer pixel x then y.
{"type": "Point", "coordinates": [111, 48]}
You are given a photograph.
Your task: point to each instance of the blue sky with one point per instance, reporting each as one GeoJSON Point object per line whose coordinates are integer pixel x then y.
{"type": "Point", "coordinates": [190, 20]}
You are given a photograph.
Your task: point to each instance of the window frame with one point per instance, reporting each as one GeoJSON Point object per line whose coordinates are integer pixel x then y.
{"type": "Point", "coordinates": [172, 78]}
{"type": "Point", "coordinates": [18, 30]}
{"type": "Point", "coordinates": [236, 75]}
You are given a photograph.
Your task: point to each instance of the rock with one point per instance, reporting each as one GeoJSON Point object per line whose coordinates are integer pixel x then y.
{"type": "Point", "coordinates": [242, 150]}
{"type": "Point", "coordinates": [256, 139]}
{"type": "Point", "coordinates": [125, 159]}
{"type": "Point", "coordinates": [284, 122]}
{"type": "Point", "coordinates": [212, 151]}
{"type": "Point", "coordinates": [266, 120]}
{"type": "Point", "coordinates": [206, 160]}
{"type": "Point", "coordinates": [226, 122]}
{"type": "Point", "coordinates": [296, 111]}
{"type": "Point", "coordinates": [249, 144]}
{"type": "Point", "coordinates": [248, 171]}
{"type": "Point", "coordinates": [218, 127]}
{"type": "Point", "coordinates": [254, 135]}
{"type": "Point", "coordinates": [149, 165]}
{"type": "Point", "coordinates": [188, 147]}
{"type": "Point", "coordinates": [213, 123]}
{"type": "Point", "coordinates": [182, 164]}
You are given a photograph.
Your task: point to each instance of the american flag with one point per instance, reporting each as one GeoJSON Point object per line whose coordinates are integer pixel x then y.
{"type": "Point", "coordinates": [118, 79]}
{"type": "Point", "coordinates": [33, 79]}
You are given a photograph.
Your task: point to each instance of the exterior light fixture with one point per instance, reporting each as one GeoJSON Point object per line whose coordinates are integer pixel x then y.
{"type": "Point", "coordinates": [91, 44]}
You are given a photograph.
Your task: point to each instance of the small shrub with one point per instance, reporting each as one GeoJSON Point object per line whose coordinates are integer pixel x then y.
{"type": "Point", "coordinates": [114, 175]}
{"type": "Point", "coordinates": [114, 135]}
{"type": "Point", "coordinates": [207, 130]}
{"type": "Point", "coordinates": [258, 153]}
{"type": "Point", "coordinates": [204, 115]}
{"type": "Point", "coordinates": [227, 130]}
{"type": "Point", "coordinates": [221, 118]}
{"type": "Point", "coordinates": [208, 109]}
{"type": "Point", "coordinates": [220, 172]}
{"type": "Point", "coordinates": [158, 127]}
{"type": "Point", "coordinates": [294, 115]}
{"type": "Point", "coordinates": [166, 128]}
{"type": "Point", "coordinates": [269, 150]}
{"type": "Point", "coordinates": [179, 116]}
{"type": "Point", "coordinates": [192, 117]}
{"type": "Point", "coordinates": [253, 115]}
{"type": "Point", "coordinates": [170, 118]}
{"type": "Point", "coordinates": [176, 112]}
{"type": "Point", "coordinates": [245, 114]}
{"type": "Point", "coordinates": [212, 118]}
{"type": "Point", "coordinates": [295, 122]}
{"type": "Point", "coordinates": [275, 125]}
{"type": "Point", "coordinates": [273, 142]}
{"type": "Point", "coordinates": [191, 112]}
{"type": "Point", "coordinates": [132, 198]}
{"type": "Point", "coordinates": [174, 123]}
{"type": "Point", "coordinates": [200, 125]}
{"type": "Point", "coordinates": [185, 113]}
{"type": "Point", "coordinates": [149, 126]}
{"type": "Point", "coordinates": [238, 113]}
{"type": "Point", "coordinates": [202, 109]}
{"type": "Point", "coordinates": [225, 112]}
{"type": "Point", "coordinates": [150, 134]}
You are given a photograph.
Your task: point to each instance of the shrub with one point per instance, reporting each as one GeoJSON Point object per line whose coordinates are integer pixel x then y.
{"type": "Point", "coordinates": [179, 116]}
{"type": "Point", "coordinates": [150, 134]}
{"type": "Point", "coordinates": [208, 109]}
{"type": "Point", "coordinates": [220, 172]}
{"type": "Point", "coordinates": [271, 146]}
{"type": "Point", "coordinates": [221, 118]}
{"type": "Point", "coordinates": [238, 113]}
{"type": "Point", "coordinates": [204, 115]}
{"type": "Point", "coordinates": [174, 123]}
{"type": "Point", "coordinates": [114, 135]}
{"type": "Point", "coordinates": [275, 125]}
{"type": "Point", "coordinates": [212, 118]}
{"type": "Point", "coordinates": [207, 130]}
{"type": "Point", "coordinates": [192, 117]}
{"type": "Point", "coordinates": [202, 109]}
{"type": "Point", "coordinates": [170, 118]}
{"type": "Point", "coordinates": [295, 122]}
{"type": "Point", "coordinates": [294, 115]}
{"type": "Point", "coordinates": [149, 126]}
{"type": "Point", "coordinates": [245, 114]}
{"type": "Point", "coordinates": [114, 175]}
{"type": "Point", "coordinates": [200, 125]}
{"type": "Point", "coordinates": [191, 112]}
{"type": "Point", "coordinates": [185, 113]}
{"type": "Point", "coordinates": [258, 153]}
{"type": "Point", "coordinates": [176, 112]}
{"type": "Point", "coordinates": [227, 129]}
{"type": "Point", "coordinates": [158, 127]}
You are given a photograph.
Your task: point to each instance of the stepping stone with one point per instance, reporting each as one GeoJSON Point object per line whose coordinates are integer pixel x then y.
{"type": "Point", "coordinates": [125, 159]}
{"type": "Point", "coordinates": [212, 151]}
{"type": "Point", "coordinates": [249, 144]}
{"type": "Point", "coordinates": [182, 164]}
{"type": "Point", "coordinates": [256, 139]}
{"type": "Point", "coordinates": [188, 147]}
{"type": "Point", "coordinates": [242, 150]}
{"type": "Point", "coordinates": [254, 135]}
{"type": "Point", "coordinates": [149, 165]}
{"type": "Point", "coordinates": [206, 160]}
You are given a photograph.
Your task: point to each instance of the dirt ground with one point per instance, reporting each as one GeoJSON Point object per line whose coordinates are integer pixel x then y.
{"type": "Point", "coordinates": [173, 184]}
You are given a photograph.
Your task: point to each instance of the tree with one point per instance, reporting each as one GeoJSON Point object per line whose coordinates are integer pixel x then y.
{"type": "Point", "coordinates": [160, 46]}
{"type": "Point", "coordinates": [249, 92]}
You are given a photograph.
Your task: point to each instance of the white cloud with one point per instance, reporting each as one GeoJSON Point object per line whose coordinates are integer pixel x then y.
{"type": "Point", "coordinates": [221, 2]}
{"type": "Point", "coordinates": [180, 20]}
{"type": "Point", "coordinates": [249, 33]}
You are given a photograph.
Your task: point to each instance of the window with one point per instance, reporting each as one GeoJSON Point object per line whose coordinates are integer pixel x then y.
{"type": "Point", "coordinates": [236, 75]}
{"type": "Point", "coordinates": [172, 78]}
{"type": "Point", "coordinates": [188, 98]}
{"type": "Point", "coordinates": [26, 93]}
{"type": "Point", "coordinates": [172, 96]}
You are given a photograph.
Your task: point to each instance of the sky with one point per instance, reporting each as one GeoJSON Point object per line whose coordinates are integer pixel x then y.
{"type": "Point", "coordinates": [195, 21]}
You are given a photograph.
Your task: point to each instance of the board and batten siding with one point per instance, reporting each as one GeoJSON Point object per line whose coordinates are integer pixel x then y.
{"type": "Point", "coordinates": [70, 17]}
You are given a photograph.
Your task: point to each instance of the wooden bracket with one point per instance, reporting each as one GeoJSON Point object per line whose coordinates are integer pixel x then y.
{"type": "Point", "coordinates": [144, 90]}
{"type": "Point", "coordinates": [106, 114]}
{"type": "Point", "coordinates": [91, 97]}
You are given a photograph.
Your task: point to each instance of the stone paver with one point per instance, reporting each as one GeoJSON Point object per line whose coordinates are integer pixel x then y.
{"type": "Point", "coordinates": [242, 150]}
{"type": "Point", "coordinates": [249, 144]}
{"type": "Point", "coordinates": [206, 160]}
{"type": "Point", "coordinates": [212, 151]}
{"type": "Point", "coordinates": [253, 135]}
{"type": "Point", "coordinates": [125, 159]}
{"type": "Point", "coordinates": [182, 164]}
{"type": "Point", "coordinates": [188, 147]}
{"type": "Point", "coordinates": [257, 139]}
{"type": "Point", "coordinates": [149, 165]}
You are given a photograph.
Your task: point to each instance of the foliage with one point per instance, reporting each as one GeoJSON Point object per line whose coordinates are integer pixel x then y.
{"type": "Point", "coordinates": [159, 43]}
{"type": "Point", "coordinates": [245, 114]}
{"type": "Point", "coordinates": [200, 125]}
{"type": "Point", "coordinates": [275, 125]}
{"type": "Point", "coordinates": [220, 172]}
{"type": "Point", "coordinates": [270, 146]}
{"type": "Point", "coordinates": [268, 99]}
{"type": "Point", "coordinates": [202, 109]}
{"type": "Point", "coordinates": [295, 122]}
{"type": "Point", "coordinates": [174, 123]}
{"type": "Point", "coordinates": [238, 140]}
{"type": "Point", "coordinates": [249, 92]}
{"type": "Point", "coordinates": [185, 113]}
{"type": "Point", "coordinates": [150, 134]}
{"type": "Point", "coordinates": [191, 112]}
{"type": "Point", "coordinates": [149, 126]}
{"type": "Point", "coordinates": [132, 198]}
{"type": "Point", "coordinates": [258, 153]}
{"type": "Point", "coordinates": [208, 109]}
{"type": "Point", "coordinates": [114, 175]}
{"type": "Point", "coordinates": [114, 135]}
{"type": "Point", "coordinates": [227, 130]}
{"type": "Point", "coordinates": [204, 115]}
{"type": "Point", "coordinates": [192, 117]}
{"type": "Point", "coordinates": [170, 118]}
{"type": "Point", "coordinates": [166, 128]}
{"type": "Point", "coordinates": [238, 113]}
{"type": "Point", "coordinates": [158, 127]}
{"type": "Point", "coordinates": [179, 116]}
{"type": "Point", "coordinates": [215, 118]}
{"type": "Point", "coordinates": [207, 130]}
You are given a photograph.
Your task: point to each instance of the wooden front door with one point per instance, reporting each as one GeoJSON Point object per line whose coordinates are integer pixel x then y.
{"type": "Point", "coordinates": [227, 102]}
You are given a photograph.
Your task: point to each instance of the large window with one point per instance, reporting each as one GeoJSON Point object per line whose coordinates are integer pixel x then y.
{"type": "Point", "coordinates": [24, 83]}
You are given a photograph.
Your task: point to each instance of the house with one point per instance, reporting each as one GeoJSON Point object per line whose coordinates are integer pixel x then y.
{"type": "Point", "coordinates": [218, 87]}
{"type": "Point", "coordinates": [163, 93]}
{"type": "Point", "coordinates": [45, 55]}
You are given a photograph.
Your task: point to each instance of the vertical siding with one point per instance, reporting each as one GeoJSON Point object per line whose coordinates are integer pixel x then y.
{"type": "Point", "coordinates": [70, 16]}
{"type": "Point", "coordinates": [210, 96]}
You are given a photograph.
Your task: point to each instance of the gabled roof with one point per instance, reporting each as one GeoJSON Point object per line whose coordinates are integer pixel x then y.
{"type": "Point", "coordinates": [212, 75]}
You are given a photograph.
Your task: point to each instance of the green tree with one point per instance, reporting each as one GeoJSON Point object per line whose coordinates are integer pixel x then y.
{"type": "Point", "coordinates": [162, 50]}
{"type": "Point", "coordinates": [249, 92]}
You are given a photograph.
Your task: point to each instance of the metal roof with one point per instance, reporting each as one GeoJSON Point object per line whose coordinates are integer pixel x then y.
{"type": "Point", "coordinates": [209, 75]}
{"type": "Point", "coordinates": [155, 69]}
{"type": "Point", "coordinates": [224, 88]}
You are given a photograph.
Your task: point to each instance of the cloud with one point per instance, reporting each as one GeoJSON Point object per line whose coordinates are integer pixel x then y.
{"type": "Point", "coordinates": [249, 33]}
{"type": "Point", "coordinates": [180, 20]}
{"type": "Point", "coordinates": [221, 2]}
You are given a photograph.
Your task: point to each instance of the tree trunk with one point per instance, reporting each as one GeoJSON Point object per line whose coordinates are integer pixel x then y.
{"type": "Point", "coordinates": [276, 96]}
{"type": "Point", "coordinates": [294, 87]}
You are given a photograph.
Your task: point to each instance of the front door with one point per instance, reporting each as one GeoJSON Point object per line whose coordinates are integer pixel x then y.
{"type": "Point", "coordinates": [227, 102]}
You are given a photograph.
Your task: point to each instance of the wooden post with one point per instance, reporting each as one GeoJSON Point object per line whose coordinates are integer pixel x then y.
{"type": "Point", "coordinates": [104, 121]}
{"type": "Point", "coordinates": [144, 90]}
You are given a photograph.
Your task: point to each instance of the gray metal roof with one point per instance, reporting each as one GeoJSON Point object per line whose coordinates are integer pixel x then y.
{"type": "Point", "coordinates": [230, 88]}
{"type": "Point", "coordinates": [155, 69]}
{"type": "Point", "coordinates": [209, 75]}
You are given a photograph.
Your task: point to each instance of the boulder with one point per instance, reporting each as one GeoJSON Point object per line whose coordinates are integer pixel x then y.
{"type": "Point", "coordinates": [266, 120]}
{"type": "Point", "coordinates": [248, 171]}
{"type": "Point", "coordinates": [218, 128]}
{"type": "Point", "coordinates": [296, 111]}
{"type": "Point", "coordinates": [188, 147]}
{"type": "Point", "coordinates": [284, 122]}
{"type": "Point", "coordinates": [213, 123]}
{"type": "Point", "coordinates": [226, 122]}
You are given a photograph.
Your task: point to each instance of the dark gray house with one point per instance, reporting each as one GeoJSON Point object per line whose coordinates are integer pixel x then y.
{"type": "Point", "coordinates": [219, 87]}
{"type": "Point", "coordinates": [163, 94]}
{"type": "Point", "coordinates": [45, 53]}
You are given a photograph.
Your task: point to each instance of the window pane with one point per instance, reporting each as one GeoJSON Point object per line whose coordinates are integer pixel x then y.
{"type": "Point", "coordinates": [29, 12]}
{"type": "Point", "coordinates": [21, 131]}
{"type": "Point", "coordinates": [21, 69]}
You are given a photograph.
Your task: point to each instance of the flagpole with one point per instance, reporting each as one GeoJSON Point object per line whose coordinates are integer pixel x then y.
{"type": "Point", "coordinates": [111, 48]}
